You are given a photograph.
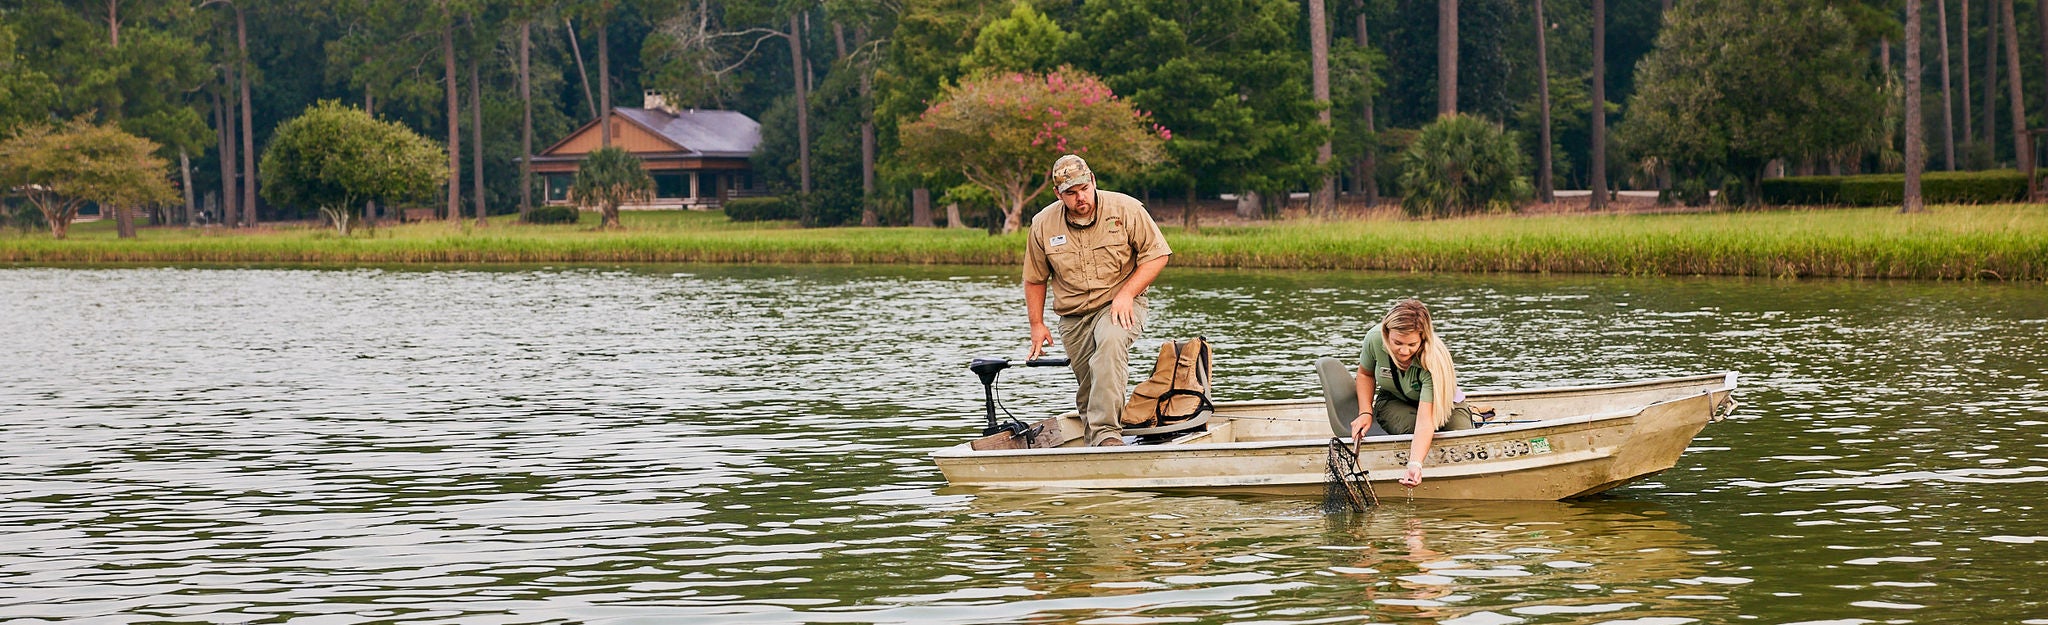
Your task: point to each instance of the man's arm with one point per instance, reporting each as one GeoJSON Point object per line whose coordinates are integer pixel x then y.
{"type": "Point", "coordinates": [1034, 306]}
{"type": "Point", "coordinates": [1120, 308]}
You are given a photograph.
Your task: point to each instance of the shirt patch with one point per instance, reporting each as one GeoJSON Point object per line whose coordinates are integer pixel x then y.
{"type": "Point", "coordinates": [1056, 241]}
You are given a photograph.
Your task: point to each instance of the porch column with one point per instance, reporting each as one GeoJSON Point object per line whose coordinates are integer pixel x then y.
{"type": "Point", "coordinates": [693, 187]}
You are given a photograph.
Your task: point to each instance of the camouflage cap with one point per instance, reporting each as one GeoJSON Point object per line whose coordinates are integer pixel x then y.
{"type": "Point", "coordinates": [1068, 171]}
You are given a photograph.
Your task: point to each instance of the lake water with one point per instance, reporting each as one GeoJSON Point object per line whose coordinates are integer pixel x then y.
{"type": "Point", "coordinates": [749, 445]}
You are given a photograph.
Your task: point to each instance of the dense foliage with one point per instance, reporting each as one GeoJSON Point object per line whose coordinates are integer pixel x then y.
{"type": "Point", "coordinates": [335, 158]}
{"type": "Point", "coordinates": [761, 209]}
{"type": "Point", "coordinates": [60, 168]}
{"type": "Point", "coordinates": [1736, 84]}
{"type": "Point", "coordinates": [551, 215]}
{"type": "Point", "coordinates": [1962, 187]}
{"type": "Point", "coordinates": [1714, 90]}
{"type": "Point", "coordinates": [1003, 131]}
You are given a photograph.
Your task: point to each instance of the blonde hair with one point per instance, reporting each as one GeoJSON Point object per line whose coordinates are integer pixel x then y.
{"type": "Point", "coordinates": [1411, 316]}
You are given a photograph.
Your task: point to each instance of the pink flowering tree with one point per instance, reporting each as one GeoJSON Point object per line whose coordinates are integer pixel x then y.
{"type": "Point", "coordinates": [1003, 131]}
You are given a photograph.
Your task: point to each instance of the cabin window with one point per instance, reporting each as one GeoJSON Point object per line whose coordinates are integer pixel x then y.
{"type": "Point", "coordinates": [671, 185]}
{"type": "Point", "coordinates": [558, 186]}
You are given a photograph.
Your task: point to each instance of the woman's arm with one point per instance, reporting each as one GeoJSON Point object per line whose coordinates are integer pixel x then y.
{"type": "Point", "coordinates": [1425, 431]}
{"type": "Point", "coordinates": [1364, 383]}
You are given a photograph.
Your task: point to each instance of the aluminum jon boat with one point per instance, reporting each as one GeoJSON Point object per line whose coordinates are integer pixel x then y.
{"type": "Point", "coordinates": [1542, 444]}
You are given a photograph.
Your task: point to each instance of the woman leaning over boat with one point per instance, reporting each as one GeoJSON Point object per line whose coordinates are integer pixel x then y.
{"type": "Point", "coordinates": [1407, 372]}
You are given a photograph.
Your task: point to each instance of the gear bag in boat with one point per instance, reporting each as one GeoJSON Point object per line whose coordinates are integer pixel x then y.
{"type": "Point", "coordinates": [1178, 389]}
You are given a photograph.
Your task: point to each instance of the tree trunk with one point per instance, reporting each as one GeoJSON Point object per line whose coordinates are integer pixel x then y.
{"type": "Point", "coordinates": [1446, 57]}
{"type": "Point", "coordinates": [1013, 215]}
{"type": "Point", "coordinates": [1597, 178]}
{"type": "Point", "coordinates": [185, 176]}
{"type": "Point", "coordinates": [577, 51]}
{"type": "Point", "coordinates": [248, 125]}
{"type": "Point", "coordinates": [921, 208]}
{"type": "Point", "coordinates": [803, 104]}
{"type": "Point", "coordinates": [868, 214]}
{"type": "Point", "coordinates": [1324, 200]}
{"type": "Point", "coordinates": [2023, 155]}
{"type": "Point", "coordinates": [953, 215]}
{"type": "Point", "coordinates": [1990, 115]}
{"type": "Point", "coordinates": [1369, 166]}
{"type": "Point", "coordinates": [1884, 55]}
{"type": "Point", "coordinates": [124, 220]}
{"type": "Point", "coordinates": [476, 141]}
{"type": "Point", "coordinates": [1190, 216]}
{"type": "Point", "coordinates": [1545, 185]}
{"type": "Point", "coordinates": [1916, 124]}
{"type": "Point", "coordinates": [604, 82]}
{"type": "Point", "coordinates": [1963, 25]}
{"type": "Point", "coordinates": [454, 121]}
{"type": "Point", "coordinates": [1948, 110]}
{"type": "Point", "coordinates": [230, 212]}
{"type": "Point", "coordinates": [369, 206]}
{"type": "Point", "coordinates": [526, 112]}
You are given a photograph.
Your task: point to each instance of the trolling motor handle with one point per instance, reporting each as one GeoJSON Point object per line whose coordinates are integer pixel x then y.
{"type": "Point", "coordinates": [986, 369]}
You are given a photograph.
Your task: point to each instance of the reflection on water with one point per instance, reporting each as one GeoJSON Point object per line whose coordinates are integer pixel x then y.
{"type": "Point", "coordinates": [730, 444]}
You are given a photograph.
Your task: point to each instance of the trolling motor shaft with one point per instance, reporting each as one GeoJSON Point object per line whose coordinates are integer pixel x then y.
{"type": "Point", "coordinates": [986, 369]}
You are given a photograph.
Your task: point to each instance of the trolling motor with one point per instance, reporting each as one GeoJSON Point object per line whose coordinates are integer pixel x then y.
{"type": "Point", "coordinates": [987, 368]}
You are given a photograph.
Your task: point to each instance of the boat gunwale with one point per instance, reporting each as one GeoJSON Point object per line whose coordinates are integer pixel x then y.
{"type": "Point", "coordinates": [964, 450]}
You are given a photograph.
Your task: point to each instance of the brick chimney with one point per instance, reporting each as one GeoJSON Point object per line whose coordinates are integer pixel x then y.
{"type": "Point", "coordinates": [653, 101]}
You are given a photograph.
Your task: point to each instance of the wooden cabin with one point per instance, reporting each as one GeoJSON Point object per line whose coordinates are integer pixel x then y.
{"type": "Point", "coordinates": [697, 157]}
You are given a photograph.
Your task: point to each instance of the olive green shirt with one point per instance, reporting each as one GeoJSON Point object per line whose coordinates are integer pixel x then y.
{"type": "Point", "coordinates": [1085, 267]}
{"type": "Point", "coordinates": [1411, 385]}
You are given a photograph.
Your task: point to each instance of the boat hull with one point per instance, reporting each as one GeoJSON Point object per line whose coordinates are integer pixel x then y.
{"type": "Point", "coordinates": [1565, 443]}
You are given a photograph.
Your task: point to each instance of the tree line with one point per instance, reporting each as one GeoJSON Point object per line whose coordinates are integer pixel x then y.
{"type": "Point", "coordinates": [1254, 97]}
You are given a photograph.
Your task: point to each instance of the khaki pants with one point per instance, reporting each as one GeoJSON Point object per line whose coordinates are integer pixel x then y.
{"type": "Point", "coordinates": [1099, 350]}
{"type": "Point", "coordinates": [1398, 417]}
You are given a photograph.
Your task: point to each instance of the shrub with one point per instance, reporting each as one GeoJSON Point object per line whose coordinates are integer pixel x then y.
{"type": "Point", "coordinates": [761, 209]}
{"type": "Point", "coordinates": [1958, 187]}
{"type": "Point", "coordinates": [1804, 190]}
{"type": "Point", "coordinates": [1462, 163]}
{"type": "Point", "coordinates": [552, 215]}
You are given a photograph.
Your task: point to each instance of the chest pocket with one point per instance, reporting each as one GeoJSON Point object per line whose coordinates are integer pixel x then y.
{"type": "Point", "coordinates": [1068, 261]}
{"type": "Point", "coordinates": [1110, 257]}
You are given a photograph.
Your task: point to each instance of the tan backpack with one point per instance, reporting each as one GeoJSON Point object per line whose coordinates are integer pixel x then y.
{"type": "Point", "coordinates": [1178, 389]}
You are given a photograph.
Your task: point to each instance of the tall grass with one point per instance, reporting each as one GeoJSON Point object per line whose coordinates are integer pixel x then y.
{"type": "Point", "coordinates": [2005, 242]}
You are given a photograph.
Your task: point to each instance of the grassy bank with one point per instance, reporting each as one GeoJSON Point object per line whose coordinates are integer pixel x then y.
{"type": "Point", "coordinates": [2006, 242]}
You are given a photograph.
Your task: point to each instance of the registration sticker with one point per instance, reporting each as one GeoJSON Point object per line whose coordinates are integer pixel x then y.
{"type": "Point", "coordinates": [1539, 445]}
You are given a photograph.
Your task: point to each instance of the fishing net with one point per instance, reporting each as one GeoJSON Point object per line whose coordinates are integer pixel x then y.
{"type": "Point", "coordinates": [1345, 484]}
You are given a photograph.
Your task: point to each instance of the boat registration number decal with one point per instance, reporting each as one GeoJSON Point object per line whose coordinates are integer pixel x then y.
{"type": "Point", "coordinates": [1453, 454]}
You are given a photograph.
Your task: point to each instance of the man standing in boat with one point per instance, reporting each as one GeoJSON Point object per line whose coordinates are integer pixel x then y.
{"type": "Point", "coordinates": [1097, 251]}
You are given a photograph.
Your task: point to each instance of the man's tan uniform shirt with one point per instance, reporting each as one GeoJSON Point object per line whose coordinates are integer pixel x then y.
{"type": "Point", "coordinates": [1084, 267]}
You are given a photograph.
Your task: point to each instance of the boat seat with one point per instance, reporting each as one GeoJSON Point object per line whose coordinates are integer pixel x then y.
{"type": "Point", "coordinates": [1340, 397]}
